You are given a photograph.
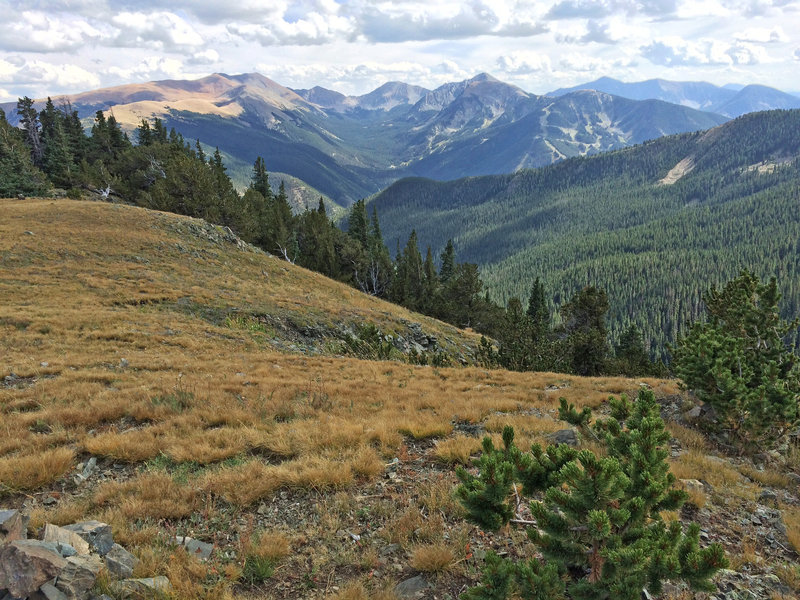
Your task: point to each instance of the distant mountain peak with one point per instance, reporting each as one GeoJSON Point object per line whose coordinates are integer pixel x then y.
{"type": "Point", "coordinates": [484, 77]}
{"type": "Point", "coordinates": [731, 100]}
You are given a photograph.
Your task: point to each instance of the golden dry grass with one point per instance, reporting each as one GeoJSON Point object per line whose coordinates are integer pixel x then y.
{"type": "Point", "coordinates": [32, 471]}
{"type": "Point", "coordinates": [791, 519]}
{"type": "Point", "coordinates": [432, 558]}
{"type": "Point", "coordinates": [457, 449]}
{"type": "Point", "coordinates": [117, 322]}
{"type": "Point", "coordinates": [719, 473]}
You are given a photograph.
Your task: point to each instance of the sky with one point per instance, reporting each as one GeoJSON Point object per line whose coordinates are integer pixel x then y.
{"type": "Point", "coordinates": [54, 47]}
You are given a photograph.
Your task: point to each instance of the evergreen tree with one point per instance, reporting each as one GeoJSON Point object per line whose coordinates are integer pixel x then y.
{"type": "Point", "coordinates": [372, 270]}
{"type": "Point", "coordinates": [598, 524]}
{"type": "Point", "coordinates": [430, 287]}
{"type": "Point", "coordinates": [57, 161]}
{"type": "Point", "coordinates": [224, 195]}
{"type": "Point", "coordinates": [537, 307]}
{"type": "Point", "coordinates": [18, 175]}
{"type": "Point", "coordinates": [29, 120]}
{"type": "Point", "coordinates": [260, 179]}
{"type": "Point", "coordinates": [631, 357]}
{"type": "Point", "coordinates": [448, 263]}
{"type": "Point", "coordinates": [409, 281]}
{"type": "Point", "coordinates": [281, 236]}
{"type": "Point", "coordinates": [584, 324]}
{"type": "Point", "coordinates": [358, 223]}
{"type": "Point", "coordinates": [316, 241]}
{"type": "Point", "coordinates": [516, 338]}
{"type": "Point", "coordinates": [738, 363]}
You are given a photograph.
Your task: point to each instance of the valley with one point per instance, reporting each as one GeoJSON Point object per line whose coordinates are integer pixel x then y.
{"type": "Point", "coordinates": [203, 388]}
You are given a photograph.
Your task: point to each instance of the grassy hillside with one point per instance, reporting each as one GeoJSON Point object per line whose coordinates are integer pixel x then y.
{"type": "Point", "coordinates": [207, 380]}
{"type": "Point", "coordinates": [655, 225]}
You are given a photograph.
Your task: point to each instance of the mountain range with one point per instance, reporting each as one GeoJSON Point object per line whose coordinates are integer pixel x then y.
{"type": "Point", "coordinates": [730, 101]}
{"type": "Point", "coordinates": [348, 147]}
{"type": "Point", "coordinates": [654, 225]}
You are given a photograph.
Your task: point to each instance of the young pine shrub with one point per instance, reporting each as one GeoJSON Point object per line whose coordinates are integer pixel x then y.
{"type": "Point", "coordinates": [598, 523]}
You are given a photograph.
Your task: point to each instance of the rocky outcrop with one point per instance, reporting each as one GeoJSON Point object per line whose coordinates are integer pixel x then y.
{"type": "Point", "coordinates": [65, 563]}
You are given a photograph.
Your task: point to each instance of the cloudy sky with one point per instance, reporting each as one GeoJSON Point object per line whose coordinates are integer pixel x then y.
{"type": "Point", "coordinates": [64, 46]}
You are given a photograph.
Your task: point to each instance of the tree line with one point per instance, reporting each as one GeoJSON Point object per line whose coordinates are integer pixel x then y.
{"type": "Point", "coordinates": [162, 171]}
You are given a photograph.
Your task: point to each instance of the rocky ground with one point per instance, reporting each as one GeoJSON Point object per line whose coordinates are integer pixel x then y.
{"type": "Point", "coordinates": [367, 539]}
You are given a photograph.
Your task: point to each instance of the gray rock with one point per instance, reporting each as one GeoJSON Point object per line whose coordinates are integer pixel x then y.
{"type": "Point", "coordinates": [65, 537]}
{"type": "Point", "coordinates": [133, 588]}
{"type": "Point", "coordinates": [695, 413]}
{"type": "Point", "coordinates": [793, 478]}
{"type": "Point", "coordinates": [694, 485]}
{"type": "Point", "coordinates": [51, 592]}
{"type": "Point", "coordinates": [196, 548]}
{"type": "Point", "coordinates": [411, 588]}
{"type": "Point", "coordinates": [13, 526]}
{"type": "Point", "coordinates": [96, 533]}
{"type": "Point", "coordinates": [79, 575]}
{"type": "Point", "coordinates": [564, 436]}
{"type": "Point", "coordinates": [27, 564]}
{"type": "Point", "coordinates": [90, 467]}
{"type": "Point", "coordinates": [120, 562]}
{"type": "Point", "coordinates": [768, 496]}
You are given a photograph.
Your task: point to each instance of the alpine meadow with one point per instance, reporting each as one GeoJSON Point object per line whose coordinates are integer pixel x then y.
{"type": "Point", "coordinates": [424, 342]}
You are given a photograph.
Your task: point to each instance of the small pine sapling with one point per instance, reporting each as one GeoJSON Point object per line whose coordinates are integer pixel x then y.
{"type": "Point", "coordinates": [597, 520]}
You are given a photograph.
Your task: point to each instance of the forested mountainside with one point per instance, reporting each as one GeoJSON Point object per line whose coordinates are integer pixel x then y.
{"type": "Point", "coordinates": [347, 148]}
{"type": "Point", "coordinates": [645, 223]}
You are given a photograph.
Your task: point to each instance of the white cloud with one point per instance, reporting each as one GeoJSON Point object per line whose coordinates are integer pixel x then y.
{"type": "Point", "coordinates": [694, 9]}
{"type": "Point", "coordinates": [163, 30]}
{"type": "Point", "coordinates": [35, 31]}
{"type": "Point", "coordinates": [797, 54]}
{"type": "Point", "coordinates": [205, 57]}
{"type": "Point", "coordinates": [524, 63]}
{"type": "Point", "coordinates": [153, 67]}
{"type": "Point", "coordinates": [595, 31]}
{"type": "Point", "coordinates": [38, 78]}
{"type": "Point", "coordinates": [675, 51]}
{"type": "Point", "coordinates": [762, 35]}
{"type": "Point", "coordinates": [583, 63]}
{"type": "Point", "coordinates": [315, 28]}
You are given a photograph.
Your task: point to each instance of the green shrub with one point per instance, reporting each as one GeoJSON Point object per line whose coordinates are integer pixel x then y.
{"type": "Point", "coordinates": [597, 520]}
{"type": "Point", "coordinates": [738, 363]}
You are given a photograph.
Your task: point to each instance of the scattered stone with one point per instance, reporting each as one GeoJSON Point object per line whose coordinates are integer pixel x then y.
{"type": "Point", "coordinates": [695, 413]}
{"type": "Point", "coordinates": [51, 592]}
{"type": "Point", "coordinates": [120, 562]}
{"type": "Point", "coordinates": [49, 501]}
{"type": "Point", "coordinates": [411, 588]}
{"type": "Point", "coordinates": [96, 533]}
{"type": "Point", "coordinates": [90, 467]}
{"type": "Point", "coordinates": [564, 436]}
{"type": "Point", "coordinates": [196, 548]}
{"type": "Point", "coordinates": [13, 526]}
{"type": "Point", "coordinates": [391, 549]}
{"type": "Point", "coordinates": [123, 363]}
{"type": "Point", "coordinates": [693, 486]}
{"type": "Point", "coordinates": [27, 564]}
{"type": "Point", "coordinates": [79, 575]}
{"type": "Point", "coordinates": [134, 588]}
{"type": "Point", "coordinates": [768, 496]}
{"type": "Point", "coordinates": [67, 538]}
{"type": "Point", "coordinates": [44, 364]}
